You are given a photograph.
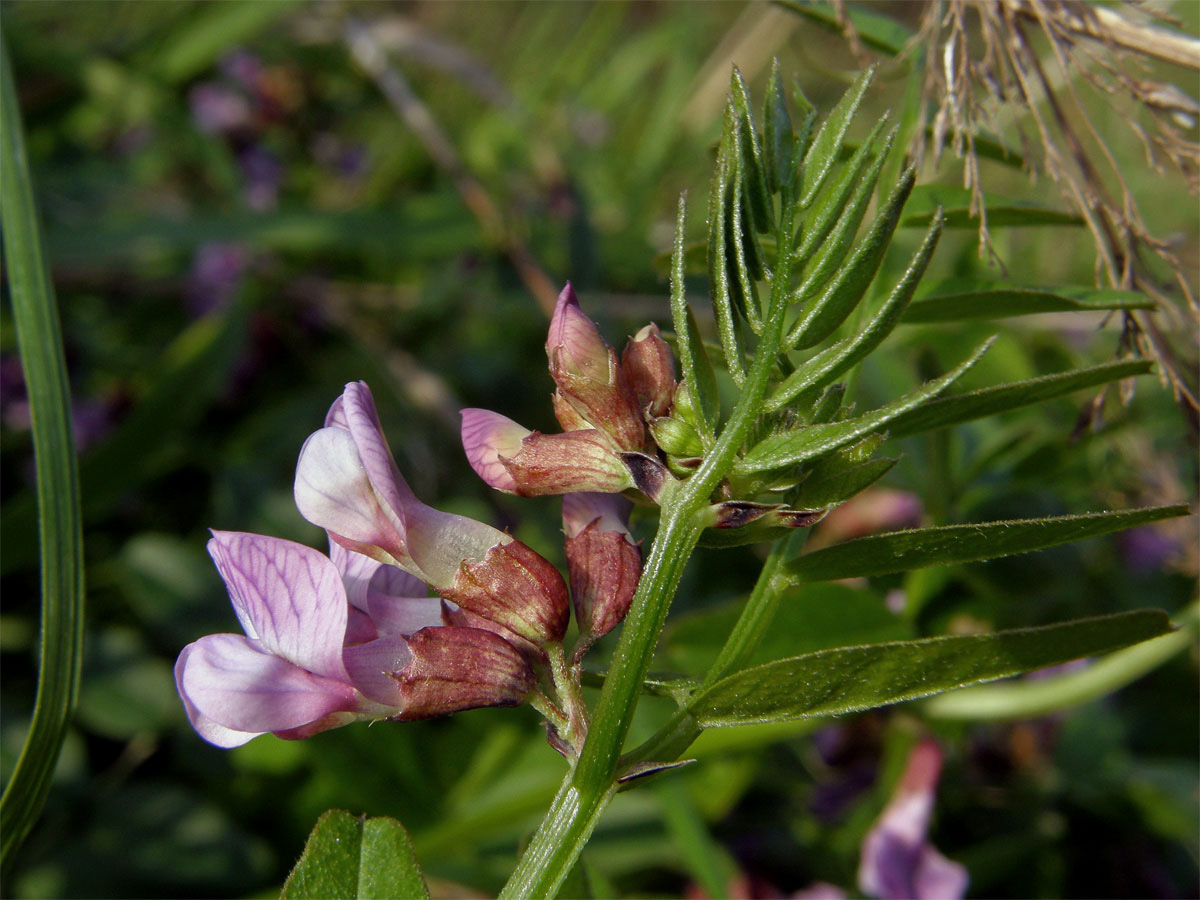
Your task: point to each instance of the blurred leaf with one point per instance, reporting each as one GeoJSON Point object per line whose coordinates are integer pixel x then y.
{"type": "Point", "coordinates": [426, 228]}
{"type": "Point", "coordinates": [355, 857]}
{"type": "Point", "coordinates": [126, 691]}
{"type": "Point", "coordinates": [212, 30]}
{"type": "Point", "coordinates": [848, 679]}
{"type": "Point", "coordinates": [194, 368]}
{"type": "Point", "coordinates": [788, 448]}
{"type": "Point", "coordinates": [807, 618]}
{"type": "Point", "coordinates": [1031, 698]}
{"type": "Point", "coordinates": [994, 301]}
{"type": "Point", "coordinates": [900, 551]}
{"type": "Point", "coordinates": [956, 202]}
{"type": "Point", "coordinates": [999, 398]}
{"type": "Point", "coordinates": [57, 528]}
{"type": "Point", "coordinates": [874, 29]}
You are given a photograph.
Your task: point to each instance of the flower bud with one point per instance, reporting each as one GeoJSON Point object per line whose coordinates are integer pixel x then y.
{"type": "Point", "coordinates": [531, 464]}
{"type": "Point", "coordinates": [603, 560]}
{"type": "Point", "coordinates": [514, 587]}
{"type": "Point", "coordinates": [440, 670]}
{"type": "Point", "coordinates": [736, 522]}
{"type": "Point", "coordinates": [650, 369]}
{"type": "Point", "coordinates": [588, 376]}
{"type": "Point", "coordinates": [676, 437]}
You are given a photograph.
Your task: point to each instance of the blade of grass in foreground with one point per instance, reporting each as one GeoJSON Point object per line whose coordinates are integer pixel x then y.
{"type": "Point", "coordinates": [40, 344]}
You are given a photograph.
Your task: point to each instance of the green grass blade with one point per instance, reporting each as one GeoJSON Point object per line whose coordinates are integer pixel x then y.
{"type": "Point", "coordinates": [39, 340]}
{"type": "Point", "coordinates": [848, 679]}
{"type": "Point", "coordinates": [920, 548]}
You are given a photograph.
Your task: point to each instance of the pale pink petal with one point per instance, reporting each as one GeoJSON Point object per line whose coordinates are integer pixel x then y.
{"type": "Point", "coordinates": [581, 509]}
{"type": "Point", "coordinates": [357, 571]}
{"type": "Point", "coordinates": [333, 491]}
{"type": "Point", "coordinates": [231, 682]}
{"type": "Point", "coordinates": [439, 543]}
{"type": "Point", "coordinates": [397, 583]}
{"type": "Point", "coordinates": [404, 615]}
{"type": "Point", "coordinates": [287, 596]}
{"type": "Point", "coordinates": [938, 878]}
{"type": "Point", "coordinates": [361, 418]}
{"type": "Point", "coordinates": [487, 436]}
{"type": "Point", "coordinates": [372, 668]}
{"type": "Point", "coordinates": [217, 735]}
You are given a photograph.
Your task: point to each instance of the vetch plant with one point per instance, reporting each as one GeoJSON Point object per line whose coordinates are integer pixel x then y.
{"type": "Point", "coordinates": [789, 264]}
{"type": "Point", "coordinates": [415, 612]}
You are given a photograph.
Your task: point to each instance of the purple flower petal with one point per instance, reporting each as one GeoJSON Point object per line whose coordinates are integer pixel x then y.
{"type": "Point", "coordinates": [358, 408]}
{"type": "Point", "coordinates": [287, 596]}
{"type": "Point", "coordinates": [581, 509]}
{"type": "Point", "coordinates": [333, 491]}
{"type": "Point", "coordinates": [229, 681]}
{"type": "Point", "coordinates": [373, 668]}
{"type": "Point", "coordinates": [574, 341]}
{"type": "Point", "coordinates": [217, 735]}
{"type": "Point", "coordinates": [404, 615]}
{"type": "Point", "coordinates": [487, 436]}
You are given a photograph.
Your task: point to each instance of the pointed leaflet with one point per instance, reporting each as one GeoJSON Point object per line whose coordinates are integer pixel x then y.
{"type": "Point", "coordinates": [778, 140]}
{"type": "Point", "coordinates": [832, 362]}
{"type": "Point", "coordinates": [824, 150]}
{"type": "Point", "coordinates": [842, 484]}
{"type": "Point", "coordinates": [848, 679]}
{"type": "Point", "coordinates": [948, 545]}
{"type": "Point", "coordinates": [996, 301]}
{"type": "Point", "coordinates": [832, 201]}
{"type": "Point", "coordinates": [725, 183]}
{"type": "Point", "coordinates": [754, 178]}
{"type": "Point", "coordinates": [999, 398]}
{"type": "Point", "coordinates": [693, 361]}
{"type": "Point", "coordinates": [798, 445]}
{"type": "Point", "coordinates": [356, 857]}
{"type": "Point", "coordinates": [852, 280]}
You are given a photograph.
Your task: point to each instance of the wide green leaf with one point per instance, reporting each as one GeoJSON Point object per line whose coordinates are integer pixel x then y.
{"type": "Point", "coordinates": [919, 548]}
{"type": "Point", "coordinates": [998, 302]}
{"type": "Point", "coordinates": [999, 398]}
{"type": "Point", "coordinates": [848, 679]}
{"type": "Point", "coordinates": [57, 527]}
{"type": "Point", "coordinates": [1001, 212]}
{"type": "Point", "coordinates": [355, 857]}
{"type": "Point", "coordinates": [802, 444]}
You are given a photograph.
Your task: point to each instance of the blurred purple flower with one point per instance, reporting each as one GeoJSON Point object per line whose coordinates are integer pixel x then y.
{"type": "Point", "coordinates": [898, 862]}
{"type": "Point", "coordinates": [346, 159]}
{"type": "Point", "coordinates": [1147, 549]}
{"type": "Point", "coordinates": [243, 67]}
{"type": "Point", "coordinates": [218, 109]}
{"type": "Point", "coordinates": [263, 176]}
{"type": "Point", "coordinates": [215, 276]}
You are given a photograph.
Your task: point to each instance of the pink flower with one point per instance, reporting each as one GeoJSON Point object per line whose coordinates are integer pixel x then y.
{"type": "Point", "coordinates": [294, 674]}
{"type": "Point", "coordinates": [898, 862]}
{"type": "Point", "coordinates": [347, 482]}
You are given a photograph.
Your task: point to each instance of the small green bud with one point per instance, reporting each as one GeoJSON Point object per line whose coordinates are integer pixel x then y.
{"type": "Point", "coordinates": [676, 437]}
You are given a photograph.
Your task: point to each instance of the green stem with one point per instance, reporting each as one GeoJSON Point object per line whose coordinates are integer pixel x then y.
{"type": "Point", "coordinates": [589, 787]}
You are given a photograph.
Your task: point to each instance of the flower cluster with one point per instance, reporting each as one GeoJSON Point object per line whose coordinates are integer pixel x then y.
{"type": "Point", "coordinates": [355, 635]}
{"type": "Point", "coordinates": [629, 427]}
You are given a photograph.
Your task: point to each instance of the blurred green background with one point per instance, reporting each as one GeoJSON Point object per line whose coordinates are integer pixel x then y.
{"type": "Point", "coordinates": [239, 221]}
